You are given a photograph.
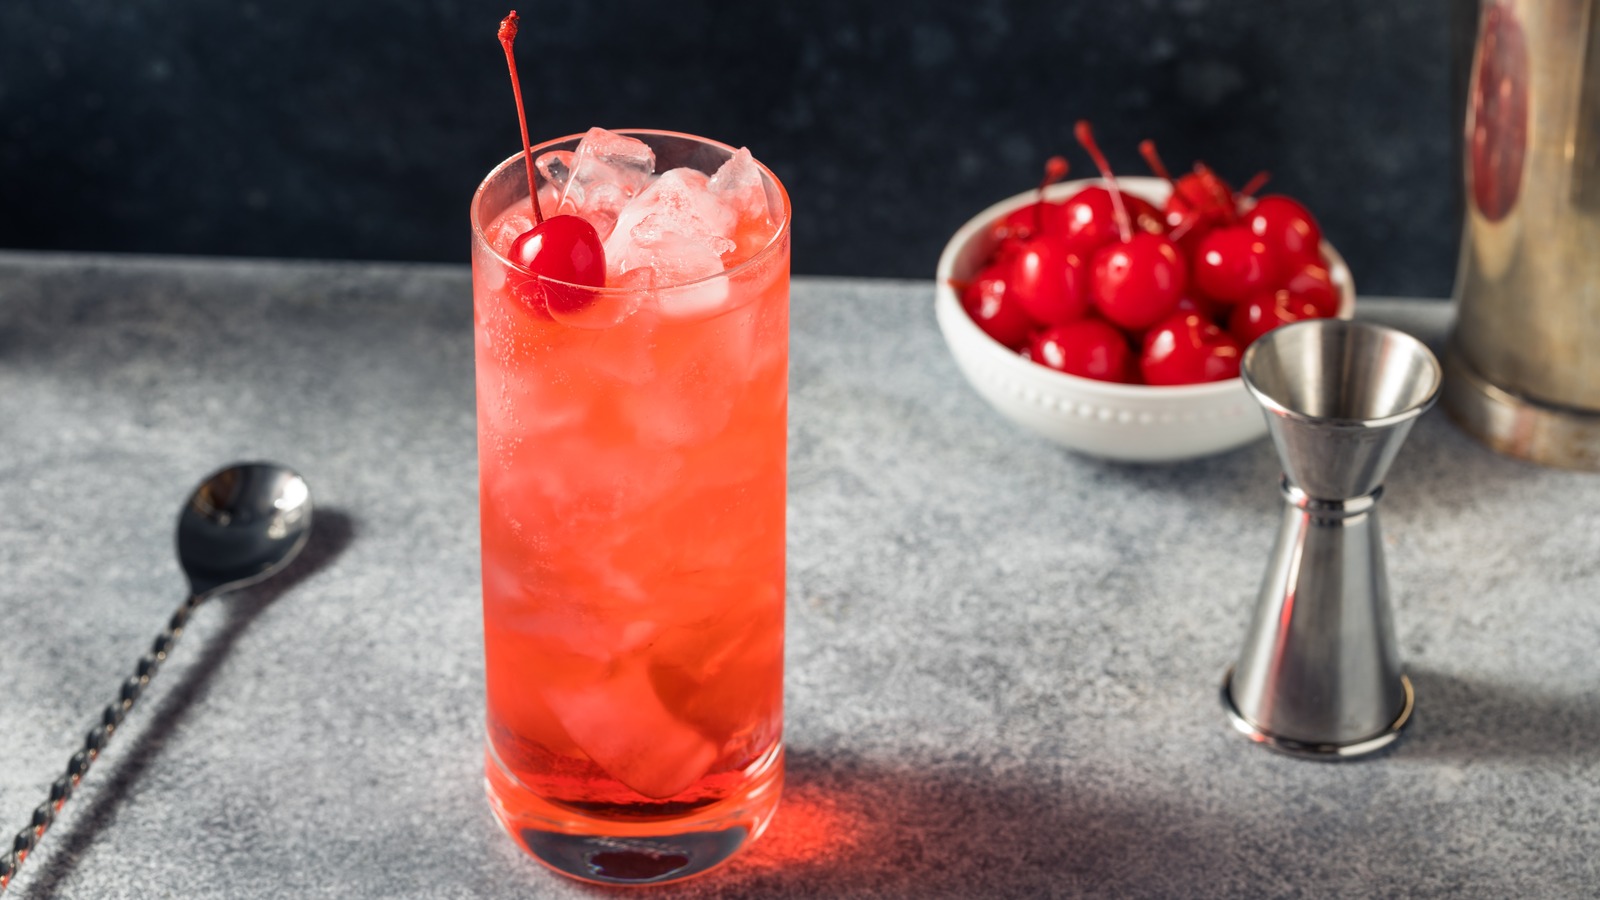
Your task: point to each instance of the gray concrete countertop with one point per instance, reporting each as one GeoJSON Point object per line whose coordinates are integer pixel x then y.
{"type": "Point", "coordinates": [1003, 658]}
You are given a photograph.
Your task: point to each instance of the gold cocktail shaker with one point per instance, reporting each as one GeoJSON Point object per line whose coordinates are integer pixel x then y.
{"type": "Point", "coordinates": [1522, 372]}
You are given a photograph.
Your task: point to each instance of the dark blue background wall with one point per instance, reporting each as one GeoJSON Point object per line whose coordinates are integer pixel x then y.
{"type": "Point", "coordinates": [330, 128]}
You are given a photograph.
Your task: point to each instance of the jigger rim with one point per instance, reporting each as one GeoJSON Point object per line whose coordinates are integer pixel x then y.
{"type": "Point", "coordinates": [1278, 409]}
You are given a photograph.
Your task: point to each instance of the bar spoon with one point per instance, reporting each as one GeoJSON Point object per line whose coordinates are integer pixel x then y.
{"type": "Point", "coordinates": [242, 525]}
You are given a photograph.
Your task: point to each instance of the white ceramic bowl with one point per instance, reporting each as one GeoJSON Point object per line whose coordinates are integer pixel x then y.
{"type": "Point", "coordinates": [1131, 422]}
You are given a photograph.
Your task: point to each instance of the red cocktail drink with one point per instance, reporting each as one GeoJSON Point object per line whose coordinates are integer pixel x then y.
{"type": "Point", "coordinates": [631, 447]}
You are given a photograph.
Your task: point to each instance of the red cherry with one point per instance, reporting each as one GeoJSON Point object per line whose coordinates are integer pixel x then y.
{"type": "Point", "coordinates": [1015, 227]}
{"type": "Point", "coordinates": [1088, 348]}
{"type": "Point", "coordinates": [1286, 227]}
{"type": "Point", "coordinates": [1231, 264]}
{"type": "Point", "coordinates": [995, 310]}
{"type": "Point", "coordinates": [1033, 219]}
{"type": "Point", "coordinates": [1036, 216]}
{"type": "Point", "coordinates": [1266, 311]}
{"type": "Point", "coordinates": [1190, 193]}
{"type": "Point", "coordinates": [1087, 220]}
{"type": "Point", "coordinates": [1048, 280]}
{"type": "Point", "coordinates": [1188, 235]}
{"type": "Point", "coordinates": [563, 248]}
{"type": "Point", "coordinates": [1312, 281]}
{"type": "Point", "coordinates": [1192, 220]}
{"type": "Point", "coordinates": [1201, 194]}
{"type": "Point", "coordinates": [1096, 212]}
{"type": "Point", "coordinates": [1138, 280]}
{"type": "Point", "coordinates": [1188, 348]}
{"type": "Point", "coordinates": [565, 251]}
{"type": "Point", "coordinates": [1146, 217]}
{"type": "Point", "coordinates": [1138, 283]}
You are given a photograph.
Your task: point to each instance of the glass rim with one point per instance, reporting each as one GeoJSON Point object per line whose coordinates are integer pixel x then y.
{"type": "Point", "coordinates": [757, 258]}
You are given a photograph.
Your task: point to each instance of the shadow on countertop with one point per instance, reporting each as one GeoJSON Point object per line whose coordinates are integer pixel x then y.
{"type": "Point", "coordinates": [853, 828]}
{"type": "Point", "coordinates": [1461, 719]}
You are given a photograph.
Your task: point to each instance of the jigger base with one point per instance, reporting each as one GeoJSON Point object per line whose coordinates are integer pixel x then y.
{"type": "Point", "coordinates": [1323, 752]}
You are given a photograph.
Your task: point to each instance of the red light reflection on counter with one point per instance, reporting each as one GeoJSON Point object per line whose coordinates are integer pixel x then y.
{"type": "Point", "coordinates": [809, 826]}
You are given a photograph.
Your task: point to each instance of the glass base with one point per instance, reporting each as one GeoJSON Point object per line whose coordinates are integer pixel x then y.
{"type": "Point", "coordinates": [624, 852]}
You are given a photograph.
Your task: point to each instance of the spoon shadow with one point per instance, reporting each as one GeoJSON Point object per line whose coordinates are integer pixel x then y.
{"type": "Point", "coordinates": [331, 533]}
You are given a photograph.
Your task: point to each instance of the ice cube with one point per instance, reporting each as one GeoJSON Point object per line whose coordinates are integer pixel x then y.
{"type": "Point", "coordinates": [623, 726]}
{"type": "Point", "coordinates": [679, 202]}
{"type": "Point", "coordinates": [556, 167]}
{"type": "Point", "coordinates": [679, 230]}
{"type": "Point", "coordinates": [739, 186]}
{"type": "Point", "coordinates": [673, 261]}
{"type": "Point", "coordinates": [605, 172]}
{"type": "Point", "coordinates": [674, 256]}
{"type": "Point", "coordinates": [634, 280]}
{"type": "Point", "coordinates": [507, 230]}
{"type": "Point", "coordinates": [723, 674]}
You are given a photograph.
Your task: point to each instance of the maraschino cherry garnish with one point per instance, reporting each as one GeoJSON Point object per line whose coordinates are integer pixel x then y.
{"type": "Point", "coordinates": [560, 248]}
{"type": "Point", "coordinates": [1136, 281]}
{"type": "Point", "coordinates": [1266, 311]}
{"type": "Point", "coordinates": [1286, 227]}
{"type": "Point", "coordinates": [1088, 219]}
{"type": "Point", "coordinates": [1188, 349]}
{"type": "Point", "coordinates": [1088, 348]}
{"type": "Point", "coordinates": [1049, 280]}
{"type": "Point", "coordinates": [1031, 220]}
{"type": "Point", "coordinates": [1200, 198]}
{"type": "Point", "coordinates": [1312, 281]}
{"type": "Point", "coordinates": [1043, 272]}
{"type": "Point", "coordinates": [1231, 264]}
{"type": "Point", "coordinates": [988, 300]}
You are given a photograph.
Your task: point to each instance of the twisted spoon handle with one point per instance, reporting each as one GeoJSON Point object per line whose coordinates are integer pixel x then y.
{"type": "Point", "coordinates": [62, 788]}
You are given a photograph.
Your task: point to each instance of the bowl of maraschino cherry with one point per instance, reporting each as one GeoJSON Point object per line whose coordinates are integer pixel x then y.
{"type": "Point", "coordinates": [1109, 315]}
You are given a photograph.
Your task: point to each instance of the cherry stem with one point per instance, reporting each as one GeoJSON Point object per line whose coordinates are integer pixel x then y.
{"type": "Point", "coordinates": [1055, 169]}
{"type": "Point", "coordinates": [1085, 136]}
{"type": "Point", "coordinates": [1219, 193]}
{"type": "Point", "coordinates": [1147, 149]}
{"type": "Point", "coordinates": [508, 34]}
{"type": "Point", "coordinates": [1255, 184]}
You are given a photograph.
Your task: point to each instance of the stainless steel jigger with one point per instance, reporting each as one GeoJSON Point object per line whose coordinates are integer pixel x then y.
{"type": "Point", "coordinates": [1320, 675]}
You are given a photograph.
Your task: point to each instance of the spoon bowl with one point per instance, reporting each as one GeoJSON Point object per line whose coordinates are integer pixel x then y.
{"type": "Point", "coordinates": [242, 525]}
